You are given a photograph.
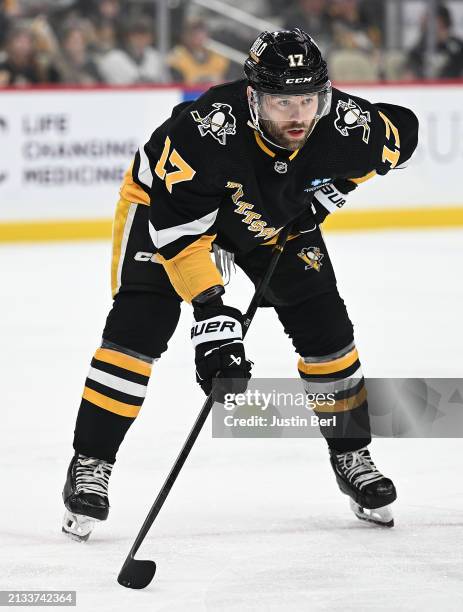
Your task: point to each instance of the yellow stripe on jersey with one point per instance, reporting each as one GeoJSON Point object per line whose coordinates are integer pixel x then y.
{"type": "Point", "coordinates": [120, 219]}
{"type": "Point", "coordinates": [273, 240]}
{"type": "Point", "coordinates": [263, 146]}
{"type": "Point", "coordinates": [131, 191]}
{"type": "Point", "coordinates": [192, 271]}
{"type": "Point", "coordinates": [329, 367]}
{"type": "Point", "coordinates": [122, 360]}
{"type": "Point", "coordinates": [363, 179]}
{"type": "Point", "coordinates": [350, 403]}
{"type": "Point", "coordinates": [102, 401]}
{"type": "Point", "coordinates": [391, 155]}
{"type": "Point", "coordinates": [269, 151]}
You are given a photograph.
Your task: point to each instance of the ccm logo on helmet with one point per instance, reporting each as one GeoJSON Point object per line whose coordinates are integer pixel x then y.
{"type": "Point", "coordinates": [299, 80]}
{"type": "Point", "coordinates": [211, 327]}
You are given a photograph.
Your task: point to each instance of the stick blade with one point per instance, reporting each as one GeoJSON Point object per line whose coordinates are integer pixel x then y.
{"type": "Point", "coordinates": [136, 574]}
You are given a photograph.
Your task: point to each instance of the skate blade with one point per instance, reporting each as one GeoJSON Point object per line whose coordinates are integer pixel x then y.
{"type": "Point", "coordinates": [77, 526]}
{"type": "Point", "coordinates": [378, 516]}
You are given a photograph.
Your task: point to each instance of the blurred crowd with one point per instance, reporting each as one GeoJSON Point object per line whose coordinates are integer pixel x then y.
{"type": "Point", "coordinates": [85, 42]}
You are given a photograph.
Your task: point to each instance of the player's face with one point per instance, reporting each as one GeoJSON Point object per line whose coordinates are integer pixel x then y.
{"type": "Point", "coordinates": [288, 120]}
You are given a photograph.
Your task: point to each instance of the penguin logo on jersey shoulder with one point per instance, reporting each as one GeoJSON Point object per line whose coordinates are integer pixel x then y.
{"type": "Point", "coordinates": [349, 117]}
{"type": "Point", "coordinates": [219, 123]}
{"type": "Point", "coordinates": [312, 257]}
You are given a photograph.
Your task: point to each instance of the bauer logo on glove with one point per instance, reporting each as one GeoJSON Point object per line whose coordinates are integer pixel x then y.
{"type": "Point", "coordinates": [217, 337]}
{"type": "Point", "coordinates": [214, 329]}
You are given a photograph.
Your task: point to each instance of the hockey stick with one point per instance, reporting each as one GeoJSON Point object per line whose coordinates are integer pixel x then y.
{"type": "Point", "coordinates": [135, 573]}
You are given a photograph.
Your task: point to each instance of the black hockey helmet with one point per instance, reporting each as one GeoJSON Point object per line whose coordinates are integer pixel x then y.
{"type": "Point", "coordinates": [286, 61]}
{"type": "Point", "coordinates": [286, 64]}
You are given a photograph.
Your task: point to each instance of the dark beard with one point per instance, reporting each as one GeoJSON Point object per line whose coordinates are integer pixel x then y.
{"type": "Point", "coordinates": [276, 136]}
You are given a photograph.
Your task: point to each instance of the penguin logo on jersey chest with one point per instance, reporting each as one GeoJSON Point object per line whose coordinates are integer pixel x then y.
{"type": "Point", "coordinates": [219, 123]}
{"type": "Point", "coordinates": [349, 117]}
{"type": "Point", "coordinates": [312, 257]}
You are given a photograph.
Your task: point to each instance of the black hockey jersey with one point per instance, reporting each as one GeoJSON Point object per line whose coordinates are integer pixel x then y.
{"type": "Point", "coordinates": [208, 175]}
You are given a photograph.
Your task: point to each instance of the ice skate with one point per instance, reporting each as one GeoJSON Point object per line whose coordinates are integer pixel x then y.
{"type": "Point", "coordinates": [371, 493]}
{"type": "Point", "coordinates": [85, 496]}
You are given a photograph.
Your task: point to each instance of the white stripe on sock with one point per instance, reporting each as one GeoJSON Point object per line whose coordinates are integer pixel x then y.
{"type": "Point", "coordinates": [119, 384]}
{"type": "Point", "coordinates": [342, 384]}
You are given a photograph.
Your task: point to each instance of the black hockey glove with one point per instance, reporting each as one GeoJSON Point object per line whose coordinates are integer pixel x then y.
{"type": "Point", "coordinates": [217, 338]}
{"type": "Point", "coordinates": [305, 223]}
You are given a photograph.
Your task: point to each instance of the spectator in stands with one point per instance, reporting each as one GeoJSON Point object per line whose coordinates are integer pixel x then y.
{"type": "Point", "coordinates": [349, 31]}
{"type": "Point", "coordinates": [312, 17]}
{"type": "Point", "coordinates": [4, 26]}
{"type": "Point", "coordinates": [191, 62]}
{"type": "Point", "coordinates": [448, 61]}
{"type": "Point", "coordinates": [46, 42]}
{"type": "Point", "coordinates": [111, 13]}
{"type": "Point", "coordinates": [105, 15]}
{"type": "Point", "coordinates": [23, 65]}
{"type": "Point", "coordinates": [178, 12]}
{"type": "Point", "coordinates": [108, 9]}
{"type": "Point", "coordinates": [104, 37]}
{"type": "Point", "coordinates": [138, 62]}
{"type": "Point", "coordinates": [76, 64]}
{"type": "Point", "coordinates": [8, 10]}
{"type": "Point", "coordinates": [373, 15]}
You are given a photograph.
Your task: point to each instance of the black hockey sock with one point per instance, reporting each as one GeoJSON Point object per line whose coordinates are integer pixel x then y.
{"type": "Point", "coordinates": [113, 395]}
{"type": "Point", "coordinates": [344, 407]}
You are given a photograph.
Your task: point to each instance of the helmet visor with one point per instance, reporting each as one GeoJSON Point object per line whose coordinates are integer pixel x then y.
{"type": "Point", "coordinates": [288, 119]}
{"type": "Point", "coordinates": [304, 107]}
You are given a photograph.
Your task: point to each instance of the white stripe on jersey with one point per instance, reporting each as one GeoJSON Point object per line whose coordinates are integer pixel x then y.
{"type": "Point", "coordinates": [145, 175]}
{"type": "Point", "coordinates": [163, 237]}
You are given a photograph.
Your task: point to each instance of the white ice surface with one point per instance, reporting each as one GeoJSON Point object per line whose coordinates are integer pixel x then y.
{"type": "Point", "coordinates": [254, 525]}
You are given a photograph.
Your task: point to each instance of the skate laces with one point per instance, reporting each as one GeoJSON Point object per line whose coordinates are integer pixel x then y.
{"type": "Point", "coordinates": [92, 475]}
{"type": "Point", "coordinates": [359, 468]}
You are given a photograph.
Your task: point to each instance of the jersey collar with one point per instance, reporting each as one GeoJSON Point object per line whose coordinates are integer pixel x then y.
{"type": "Point", "coordinates": [266, 147]}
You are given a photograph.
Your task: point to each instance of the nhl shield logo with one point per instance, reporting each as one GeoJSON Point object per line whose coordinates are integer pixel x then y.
{"type": "Point", "coordinates": [219, 123]}
{"type": "Point", "coordinates": [312, 256]}
{"type": "Point", "coordinates": [281, 167]}
{"type": "Point", "coordinates": [350, 116]}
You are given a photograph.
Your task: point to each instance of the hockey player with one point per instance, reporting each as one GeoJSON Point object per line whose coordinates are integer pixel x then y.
{"type": "Point", "coordinates": [232, 169]}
